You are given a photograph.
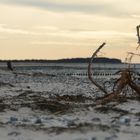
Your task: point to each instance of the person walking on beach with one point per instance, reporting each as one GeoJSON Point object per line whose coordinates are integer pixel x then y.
{"type": "Point", "coordinates": [9, 65]}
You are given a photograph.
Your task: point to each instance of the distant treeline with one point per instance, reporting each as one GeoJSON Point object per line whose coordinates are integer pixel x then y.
{"type": "Point", "coordinates": [72, 60]}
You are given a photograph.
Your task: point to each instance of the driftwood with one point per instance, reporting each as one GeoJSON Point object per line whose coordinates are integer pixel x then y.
{"type": "Point", "coordinates": [126, 79]}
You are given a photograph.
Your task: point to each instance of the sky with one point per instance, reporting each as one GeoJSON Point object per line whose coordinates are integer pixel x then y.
{"type": "Point", "coordinates": [54, 29]}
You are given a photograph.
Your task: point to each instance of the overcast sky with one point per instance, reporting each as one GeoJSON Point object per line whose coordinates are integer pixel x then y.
{"type": "Point", "coordinates": [52, 29]}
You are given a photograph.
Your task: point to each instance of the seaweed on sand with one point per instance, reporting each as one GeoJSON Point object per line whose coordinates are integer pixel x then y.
{"type": "Point", "coordinates": [72, 98]}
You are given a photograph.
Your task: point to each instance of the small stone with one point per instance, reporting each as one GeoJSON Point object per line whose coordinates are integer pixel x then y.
{"type": "Point", "coordinates": [114, 136]}
{"type": "Point", "coordinates": [90, 108]}
{"type": "Point", "coordinates": [28, 87]}
{"type": "Point", "coordinates": [14, 133]}
{"type": "Point", "coordinates": [137, 124]}
{"type": "Point", "coordinates": [93, 138]}
{"type": "Point", "coordinates": [108, 138]}
{"type": "Point", "coordinates": [111, 137]}
{"type": "Point", "coordinates": [25, 120]}
{"type": "Point", "coordinates": [125, 120]}
{"type": "Point", "coordinates": [38, 121]}
{"type": "Point", "coordinates": [71, 123]}
{"type": "Point", "coordinates": [13, 119]}
{"type": "Point", "coordinates": [138, 119]}
{"type": "Point", "coordinates": [96, 119]}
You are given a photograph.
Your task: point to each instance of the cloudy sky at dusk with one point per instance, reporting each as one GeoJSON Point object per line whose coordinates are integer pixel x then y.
{"type": "Point", "coordinates": [53, 29]}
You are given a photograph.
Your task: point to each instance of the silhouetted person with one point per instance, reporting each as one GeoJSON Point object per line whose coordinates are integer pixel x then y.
{"type": "Point", "coordinates": [9, 65]}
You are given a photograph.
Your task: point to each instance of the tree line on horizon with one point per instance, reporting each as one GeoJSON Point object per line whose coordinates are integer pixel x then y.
{"type": "Point", "coordinates": [70, 60]}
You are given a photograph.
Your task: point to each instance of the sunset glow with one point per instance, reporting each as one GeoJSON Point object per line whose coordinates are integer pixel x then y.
{"type": "Point", "coordinates": [53, 29]}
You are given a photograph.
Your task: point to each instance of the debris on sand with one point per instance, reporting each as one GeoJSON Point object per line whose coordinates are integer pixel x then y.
{"type": "Point", "coordinates": [73, 98]}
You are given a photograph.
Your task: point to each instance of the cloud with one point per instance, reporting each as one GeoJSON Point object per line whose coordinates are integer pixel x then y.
{"type": "Point", "coordinates": [57, 6]}
{"type": "Point", "coordinates": [135, 16]}
{"type": "Point", "coordinates": [87, 33]}
{"type": "Point", "coordinates": [82, 38]}
{"type": "Point", "coordinates": [5, 29]}
{"type": "Point", "coordinates": [58, 43]}
{"type": "Point", "coordinates": [107, 7]}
